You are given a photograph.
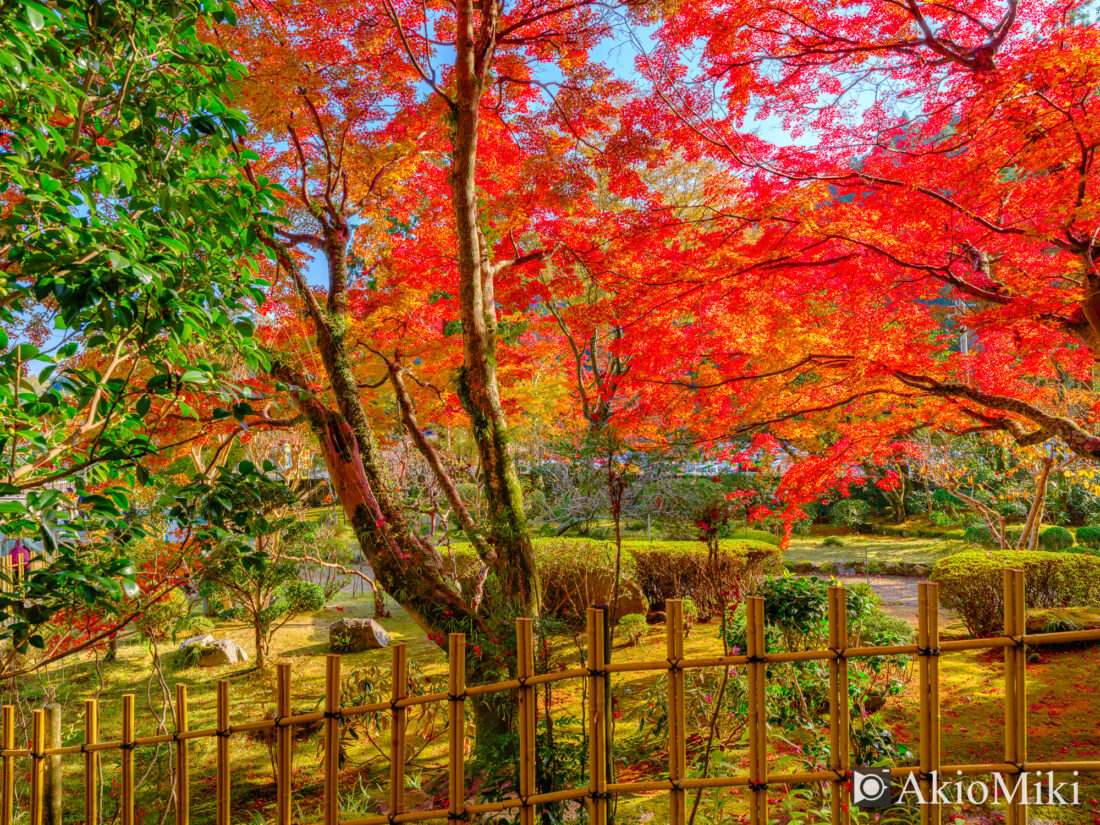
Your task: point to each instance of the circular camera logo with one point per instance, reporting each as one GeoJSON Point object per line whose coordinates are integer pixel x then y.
{"type": "Point", "coordinates": [871, 787]}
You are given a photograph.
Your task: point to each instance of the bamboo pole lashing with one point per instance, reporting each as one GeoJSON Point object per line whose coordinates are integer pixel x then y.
{"type": "Point", "coordinates": [126, 814]}
{"type": "Point", "coordinates": [597, 730]}
{"type": "Point", "coordinates": [7, 767]}
{"type": "Point", "coordinates": [183, 766]}
{"type": "Point", "coordinates": [399, 679]}
{"type": "Point", "coordinates": [839, 708]}
{"type": "Point", "coordinates": [284, 744]}
{"type": "Point", "coordinates": [525, 696]}
{"type": "Point", "coordinates": [332, 739]}
{"type": "Point", "coordinates": [456, 727]}
{"type": "Point", "coordinates": [677, 734]}
{"type": "Point", "coordinates": [91, 763]}
{"type": "Point", "coordinates": [222, 733]}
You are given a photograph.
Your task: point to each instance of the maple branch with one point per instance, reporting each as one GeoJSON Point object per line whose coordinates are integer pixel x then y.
{"type": "Point", "coordinates": [538, 255]}
{"type": "Point", "coordinates": [407, 47]}
{"type": "Point", "coordinates": [1075, 437]}
{"type": "Point", "coordinates": [296, 238]}
{"type": "Point", "coordinates": [408, 417]}
{"type": "Point", "coordinates": [303, 192]}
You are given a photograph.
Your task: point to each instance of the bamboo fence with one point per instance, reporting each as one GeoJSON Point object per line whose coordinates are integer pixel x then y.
{"type": "Point", "coordinates": [598, 670]}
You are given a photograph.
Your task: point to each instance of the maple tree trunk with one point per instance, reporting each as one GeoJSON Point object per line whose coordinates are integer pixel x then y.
{"type": "Point", "coordinates": [1029, 537]}
{"type": "Point", "coordinates": [478, 387]}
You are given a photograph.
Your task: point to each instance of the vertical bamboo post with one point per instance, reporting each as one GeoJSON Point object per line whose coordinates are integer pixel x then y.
{"type": "Point", "coordinates": [221, 765]}
{"type": "Point", "coordinates": [332, 739]}
{"type": "Point", "coordinates": [608, 715]}
{"type": "Point", "coordinates": [597, 730]}
{"type": "Point", "coordinates": [456, 727]}
{"type": "Point", "coordinates": [525, 669]}
{"type": "Point", "coordinates": [7, 767]}
{"type": "Point", "coordinates": [183, 767]}
{"type": "Point", "coordinates": [928, 642]}
{"type": "Point", "coordinates": [399, 670]}
{"type": "Point", "coordinates": [1021, 681]}
{"type": "Point", "coordinates": [91, 765]}
{"type": "Point", "coordinates": [38, 767]}
{"type": "Point", "coordinates": [840, 715]}
{"type": "Point", "coordinates": [758, 720]}
{"type": "Point", "coordinates": [54, 783]}
{"type": "Point", "coordinates": [284, 744]}
{"type": "Point", "coordinates": [677, 736]}
{"type": "Point", "coordinates": [1015, 688]}
{"type": "Point", "coordinates": [126, 813]}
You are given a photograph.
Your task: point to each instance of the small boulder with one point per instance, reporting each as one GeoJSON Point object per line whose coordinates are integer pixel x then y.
{"type": "Point", "coordinates": [352, 635]}
{"type": "Point", "coordinates": [221, 652]}
{"type": "Point", "coordinates": [202, 640]}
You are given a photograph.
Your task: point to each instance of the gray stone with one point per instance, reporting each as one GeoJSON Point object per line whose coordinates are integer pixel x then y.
{"type": "Point", "coordinates": [352, 635]}
{"type": "Point", "coordinates": [204, 639]}
{"type": "Point", "coordinates": [221, 652]}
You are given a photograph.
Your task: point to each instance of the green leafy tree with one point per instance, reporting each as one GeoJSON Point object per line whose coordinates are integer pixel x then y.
{"type": "Point", "coordinates": [272, 593]}
{"type": "Point", "coordinates": [126, 269]}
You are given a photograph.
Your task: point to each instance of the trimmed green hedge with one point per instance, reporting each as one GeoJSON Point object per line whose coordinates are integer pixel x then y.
{"type": "Point", "coordinates": [747, 534]}
{"type": "Point", "coordinates": [678, 569]}
{"type": "Point", "coordinates": [972, 584]}
{"type": "Point", "coordinates": [575, 573]}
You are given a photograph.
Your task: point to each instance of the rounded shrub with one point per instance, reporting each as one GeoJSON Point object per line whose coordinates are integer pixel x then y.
{"type": "Point", "coordinates": [1089, 537]}
{"type": "Point", "coordinates": [849, 512]}
{"type": "Point", "coordinates": [972, 583]}
{"type": "Point", "coordinates": [1056, 539]}
{"type": "Point", "coordinates": [832, 541]}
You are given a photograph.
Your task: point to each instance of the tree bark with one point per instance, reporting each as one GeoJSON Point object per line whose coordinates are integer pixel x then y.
{"type": "Point", "coordinates": [479, 390]}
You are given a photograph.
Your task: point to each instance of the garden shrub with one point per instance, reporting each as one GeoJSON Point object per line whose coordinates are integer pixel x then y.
{"type": "Point", "coordinates": [672, 570]}
{"type": "Point", "coordinates": [1056, 539]}
{"type": "Point", "coordinates": [849, 512]}
{"type": "Point", "coordinates": [832, 541]}
{"type": "Point", "coordinates": [1012, 509]}
{"type": "Point", "coordinates": [972, 584]}
{"type": "Point", "coordinates": [691, 615]}
{"type": "Point", "coordinates": [633, 627]}
{"type": "Point", "coordinates": [941, 519]}
{"type": "Point", "coordinates": [978, 535]}
{"type": "Point", "coordinates": [1089, 537]}
{"type": "Point", "coordinates": [575, 573]}
{"type": "Point", "coordinates": [796, 618]}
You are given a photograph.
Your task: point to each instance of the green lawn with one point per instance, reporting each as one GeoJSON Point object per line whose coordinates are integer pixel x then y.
{"type": "Point", "coordinates": [871, 548]}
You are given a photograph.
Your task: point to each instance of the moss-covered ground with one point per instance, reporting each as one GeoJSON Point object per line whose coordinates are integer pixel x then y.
{"type": "Point", "coordinates": [1063, 700]}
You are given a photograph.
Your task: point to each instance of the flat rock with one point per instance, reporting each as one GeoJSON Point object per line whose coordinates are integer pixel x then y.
{"type": "Point", "coordinates": [221, 652]}
{"type": "Point", "coordinates": [353, 635]}
{"type": "Point", "coordinates": [204, 639]}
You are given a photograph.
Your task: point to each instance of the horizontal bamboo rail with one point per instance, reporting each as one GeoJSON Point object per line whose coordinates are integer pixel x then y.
{"type": "Point", "coordinates": [600, 789]}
